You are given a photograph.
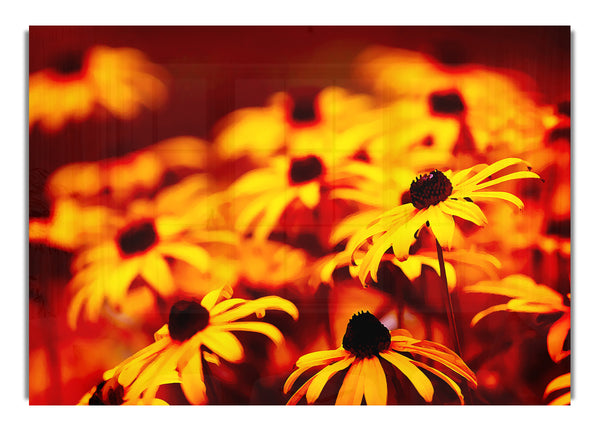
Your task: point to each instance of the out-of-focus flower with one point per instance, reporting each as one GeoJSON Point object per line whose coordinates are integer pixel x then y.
{"type": "Point", "coordinates": [119, 179]}
{"type": "Point", "coordinates": [496, 108]}
{"type": "Point", "coordinates": [179, 349]}
{"type": "Point", "coordinates": [560, 383]}
{"type": "Point", "coordinates": [173, 225]}
{"type": "Point", "coordinates": [436, 198]}
{"type": "Point", "coordinates": [367, 342]}
{"type": "Point", "coordinates": [259, 198]}
{"type": "Point", "coordinates": [529, 297]}
{"type": "Point", "coordinates": [119, 80]}
{"type": "Point", "coordinates": [71, 225]}
{"type": "Point", "coordinates": [305, 118]}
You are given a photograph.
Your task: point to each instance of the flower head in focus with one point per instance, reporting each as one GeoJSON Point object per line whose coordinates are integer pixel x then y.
{"type": "Point", "coordinates": [173, 225]}
{"type": "Point", "coordinates": [197, 331]}
{"type": "Point", "coordinates": [436, 198]}
{"type": "Point", "coordinates": [119, 80]}
{"type": "Point", "coordinates": [529, 297]}
{"type": "Point", "coordinates": [366, 345]}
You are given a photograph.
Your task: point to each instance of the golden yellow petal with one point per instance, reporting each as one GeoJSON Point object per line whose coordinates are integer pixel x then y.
{"type": "Point", "coordinates": [321, 357]}
{"type": "Point", "coordinates": [347, 394]}
{"type": "Point", "coordinates": [316, 386]}
{"type": "Point", "coordinates": [226, 305]}
{"type": "Point", "coordinates": [444, 377]}
{"type": "Point", "coordinates": [310, 194]}
{"type": "Point", "coordinates": [416, 376]}
{"type": "Point", "coordinates": [192, 381]}
{"type": "Point", "coordinates": [466, 210]}
{"type": "Point", "coordinates": [215, 296]}
{"type": "Point", "coordinates": [261, 327]}
{"type": "Point", "coordinates": [442, 226]}
{"type": "Point", "coordinates": [560, 382]}
{"type": "Point", "coordinates": [487, 171]}
{"type": "Point", "coordinates": [250, 307]}
{"type": "Point", "coordinates": [192, 254]}
{"type": "Point", "coordinates": [513, 176]}
{"type": "Point", "coordinates": [157, 273]}
{"type": "Point", "coordinates": [273, 212]}
{"type": "Point", "coordinates": [498, 195]}
{"type": "Point", "coordinates": [224, 344]}
{"type": "Point", "coordinates": [556, 338]}
{"type": "Point", "coordinates": [375, 383]}
{"type": "Point", "coordinates": [563, 400]}
{"type": "Point", "coordinates": [293, 377]}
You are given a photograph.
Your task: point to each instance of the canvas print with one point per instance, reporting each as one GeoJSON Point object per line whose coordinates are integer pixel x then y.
{"type": "Point", "coordinates": [299, 215]}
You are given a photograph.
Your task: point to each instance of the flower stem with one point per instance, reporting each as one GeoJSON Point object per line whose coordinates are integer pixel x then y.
{"type": "Point", "coordinates": [448, 300]}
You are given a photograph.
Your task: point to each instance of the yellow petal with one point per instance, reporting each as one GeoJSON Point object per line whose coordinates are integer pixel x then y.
{"type": "Point", "coordinates": [352, 385]}
{"type": "Point", "coordinates": [310, 194]}
{"type": "Point", "coordinates": [275, 209]}
{"type": "Point", "coordinates": [513, 176]}
{"type": "Point", "coordinates": [561, 382]}
{"type": "Point", "coordinates": [214, 296]}
{"type": "Point", "coordinates": [467, 210]}
{"type": "Point", "coordinates": [444, 377]}
{"type": "Point", "coordinates": [316, 386]}
{"type": "Point", "coordinates": [556, 338]}
{"type": "Point", "coordinates": [487, 171]}
{"type": "Point", "coordinates": [250, 307]}
{"type": "Point", "coordinates": [261, 327]}
{"type": "Point", "coordinates": [416, 376]}
{"type": "Point", "coordinates": [158, 274]}
{"type": "Point", "coordinates": [563, 400]}
{"type": "Point", "coordinates": [192, 381]}
{"type": "Point", "coordinates": [192, 254]}
{"type": "Point", "coordinates": [442, 226]}
{"type": "Point", "coordinates": [224, 344]}
{"type": "Point", "coordinates": [375, 383]}
{"type": "Point", "coordinates": [498, 195]}
{"type": "Point", "coordinates": [322, 357]}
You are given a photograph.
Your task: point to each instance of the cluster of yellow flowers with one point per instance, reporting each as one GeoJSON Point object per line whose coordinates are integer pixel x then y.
{"type": "Point", "coordinates": [367, 234]}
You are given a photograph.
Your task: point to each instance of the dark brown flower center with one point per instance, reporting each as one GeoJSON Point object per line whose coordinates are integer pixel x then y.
{"type": "Point", "coordinates": [186, 318]}
{"type": "Point", "coordinates": [448, 103]}
{"type": "Point", "coordinates": [366, 336]}
{"type": "Point", "coordinates": [137, 238]}
{"type": "Point", "coordinates": [305, 169]}
{"type": "Point", "coordinates": [114, 397]}
{"type": "Point", "coordinates": [430, 189]}
{"type": "Point", "coordinates": [69, 63]}
{"type": "Point", "coordinates": [304, 102]}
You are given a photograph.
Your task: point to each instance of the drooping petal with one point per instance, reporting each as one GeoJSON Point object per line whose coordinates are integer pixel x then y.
{"type": "Point", "coordinates": [215, 296]}
{"type": "Point", "coordinates": [444, 377]}
{"type": "Point", "coordinates": [250, 307]}
{"type": "Point", "coordinates": [322, 357]}
{"type": "Point", "coordinates": [189, 253]}
{"type": "Point", "coordinates": [442, 226]}
{"type": "Point", "coordinates": [560, 382]}
{"type": "Point", "coordinates": [224, 344]}
{"type": "Point", "coordinates": [316, 386]}
{"type": "Point", "coordinates": [487, 171]}
{"type": "Point", "coordinates": [192, 381]}
{"type": "Point", "coordinates": [563, 400]}
{"type": "Point", "coordinates": [416, 376]}
{"type": "Point", "coordinates": [351, 391]}
{"type": "Point", "coordinates": [466, 210]}
{"type": "Point", "coordinates": [266, 224]}
{"type": "Point", "coordinates": [556, 338]}
{"type": "Point", "coordinates": [498, 195]}
{"type": "Point", "coordinates": [513, 176]}
{"type": "Point", "coordinates": [157, 273]}
{"type": "Point", "coordinates": [375, 383]}
{"type": "Point", "coordinates": [261, 327]}
{"type": "Point", "coordinates": [310, 194]}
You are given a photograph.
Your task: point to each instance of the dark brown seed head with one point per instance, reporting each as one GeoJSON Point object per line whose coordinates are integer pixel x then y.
{"type": "Point", "coordinates": [430, 189]}
{"type": "Point", "coordinates": [366, 336]}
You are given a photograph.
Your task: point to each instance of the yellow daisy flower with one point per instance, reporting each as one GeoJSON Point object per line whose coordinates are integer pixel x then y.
{"type": "Point", "coordinates": [436, 198]}
{"type": "Point", "coordinates": [171, 226]}
{"type": "Point", "coordinates": [302, 117]}
{"type": "Point", "coordinates": [496, 107]}
{"type": "Point", "coordinates": [196, 331]}
{"type": "Point", "coordinates": [559, 384]}
{"type": "Point", "coordinates": [529, 297]}
{"type": "Point", "coordinates": [260, 197]}
{"type": "Point", "coordinates": [367, 342]}
{"type": "Point", "coordinates": [119, 80]}
{"type": "Point", "coordinates": [137, 173]}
